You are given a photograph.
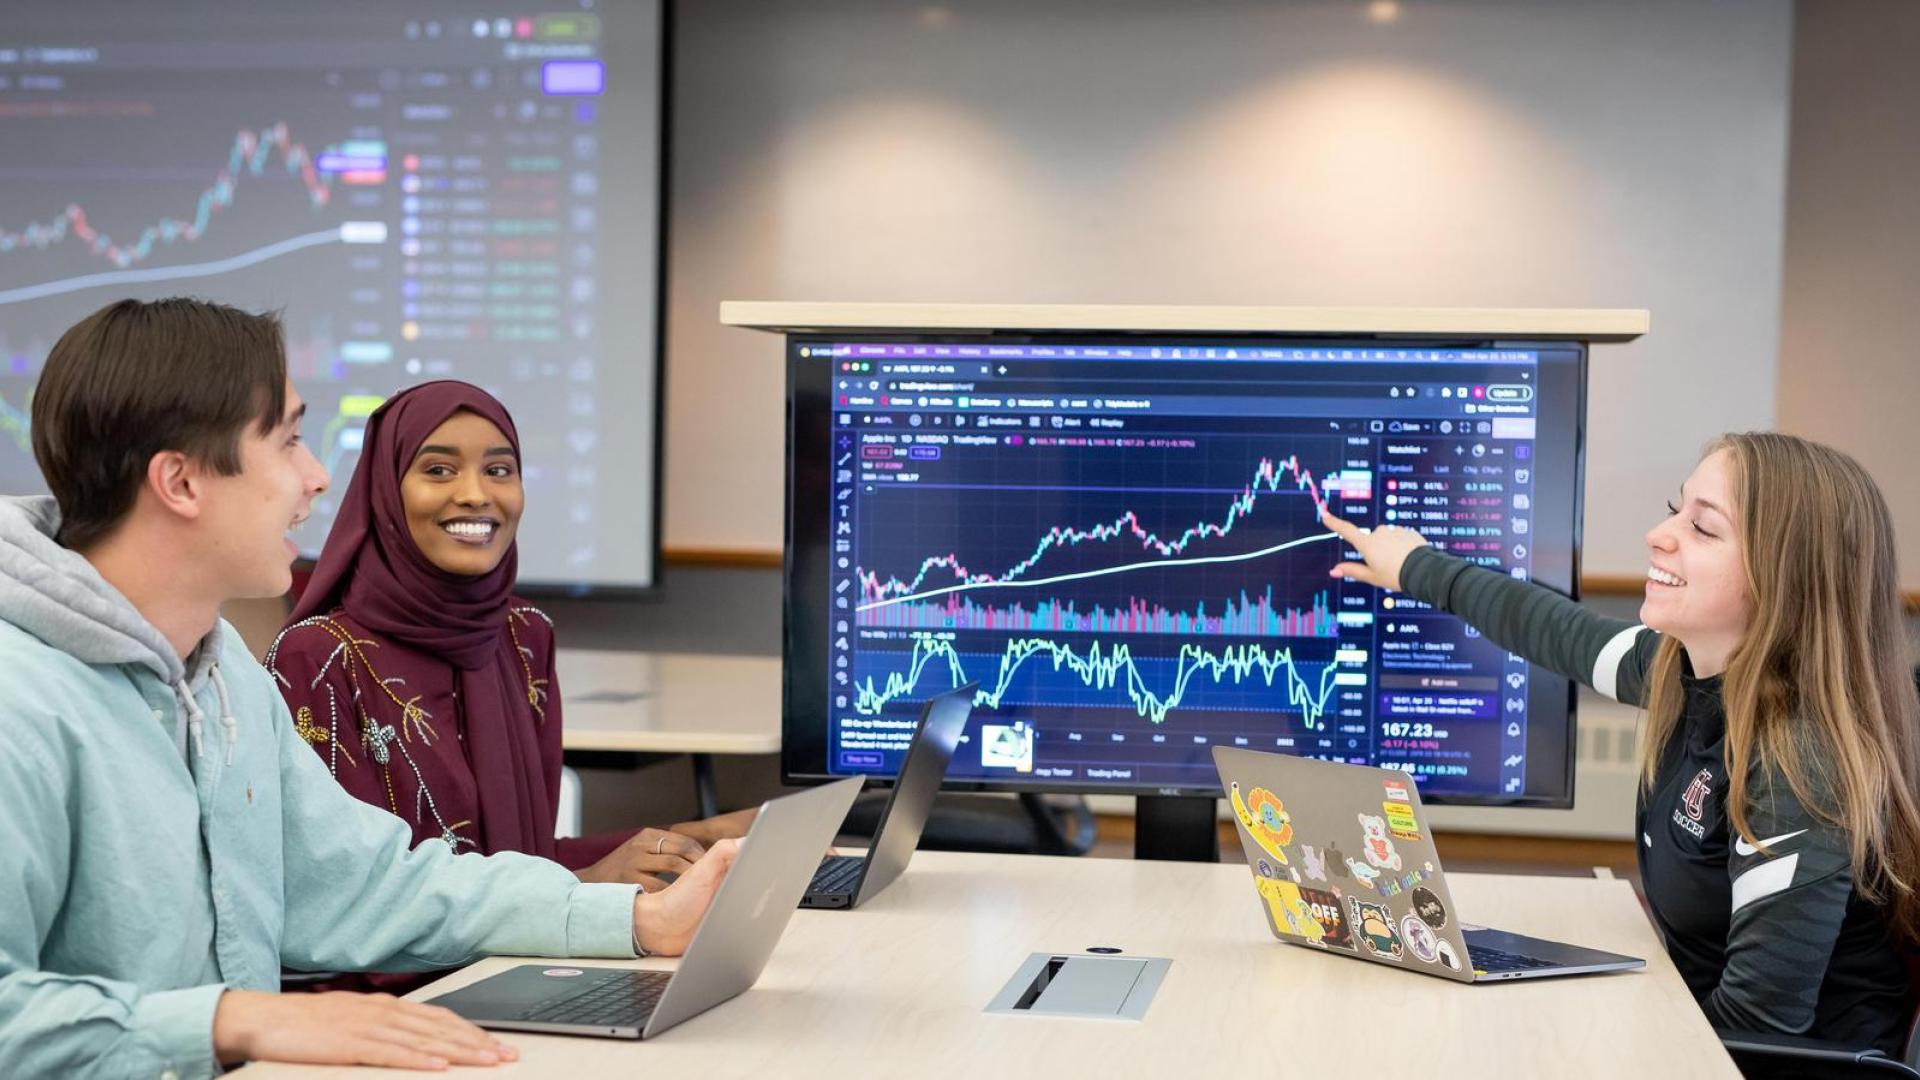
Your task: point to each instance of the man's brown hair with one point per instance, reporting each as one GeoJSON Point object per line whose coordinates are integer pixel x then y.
{"type": "Point", "coordinates": [134, 379]}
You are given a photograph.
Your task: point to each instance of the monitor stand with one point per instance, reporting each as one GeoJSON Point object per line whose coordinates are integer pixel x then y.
{"type": "Point", "coordinates": [1029, 825]}
{"type": "Point", "coordinates": [1177, 827]}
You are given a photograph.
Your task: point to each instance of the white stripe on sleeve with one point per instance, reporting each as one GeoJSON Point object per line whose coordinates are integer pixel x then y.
{"type": "Point", "coordinates": [1606, 667]}
{"type": "Point", "coordinates": [1770, 877]}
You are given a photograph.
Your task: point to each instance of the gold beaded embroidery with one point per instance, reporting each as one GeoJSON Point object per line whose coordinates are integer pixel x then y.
{"type": "Point", "coordinates": [536, 688]}
{"type": "Point", "coordinates": [308, 730]}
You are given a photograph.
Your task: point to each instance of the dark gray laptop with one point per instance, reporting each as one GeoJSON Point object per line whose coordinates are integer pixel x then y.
{"type": "Point", "coordinates": [726, 956]}
{"type": "Point", "coordinates": [1343, 862]}
{"type": "Point", "coordinates": [843, 881]}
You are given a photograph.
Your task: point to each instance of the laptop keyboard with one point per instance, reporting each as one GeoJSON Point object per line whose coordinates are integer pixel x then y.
{"type": "Point", "coordinates": [836, 874]}
{"type": "Point", "coordinates": [626, 998]}
{"type": "Point", "coordinates": [1487, 959]}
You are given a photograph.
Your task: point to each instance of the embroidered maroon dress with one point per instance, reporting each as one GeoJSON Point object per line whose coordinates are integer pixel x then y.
{"type": "Point", "coordinates": [388, 721]}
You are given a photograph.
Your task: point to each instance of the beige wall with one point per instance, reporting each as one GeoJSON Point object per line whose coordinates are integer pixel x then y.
{"type": "Point", "coordinates": [1850, 313]}
{"type": "Point", "coordinates": [1478, 152]}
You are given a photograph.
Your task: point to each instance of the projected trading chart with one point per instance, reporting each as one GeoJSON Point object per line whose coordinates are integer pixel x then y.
{"type": "Point", "coordinates": [1122, 545]}
{"type": "Point", "coordinates": [419, 190]}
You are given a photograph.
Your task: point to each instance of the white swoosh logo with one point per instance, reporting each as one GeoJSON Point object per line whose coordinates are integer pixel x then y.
{"type": "Point", "coordinates": [1741, 847]}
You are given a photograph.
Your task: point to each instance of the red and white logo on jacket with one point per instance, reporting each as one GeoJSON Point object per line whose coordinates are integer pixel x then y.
{"type": "Point", "coordinates": [1695, 798]}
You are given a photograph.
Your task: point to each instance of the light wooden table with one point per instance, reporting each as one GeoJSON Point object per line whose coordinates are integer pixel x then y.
{"type": "Point", "coordinates": [896, 988]}
{"type": "Point", "coordinates": [671, 703]}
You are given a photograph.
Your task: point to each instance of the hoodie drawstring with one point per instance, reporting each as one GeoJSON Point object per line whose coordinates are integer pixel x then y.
{"type": "Point", "coordinates": [196, 719]}
{"type": "Point", "coordinates": [194, 716]}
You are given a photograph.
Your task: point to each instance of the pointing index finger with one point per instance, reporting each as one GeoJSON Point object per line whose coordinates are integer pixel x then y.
{"type": "Point", "coordinates": [1345, 529]}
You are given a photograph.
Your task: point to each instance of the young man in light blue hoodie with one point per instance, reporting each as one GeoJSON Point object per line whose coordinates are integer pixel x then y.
{"type": "Point", "coordinates": [167, 840]}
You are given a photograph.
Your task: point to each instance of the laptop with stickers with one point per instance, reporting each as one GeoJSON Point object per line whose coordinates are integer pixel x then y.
{"type": "Point", "coordinates": [1343, 862]}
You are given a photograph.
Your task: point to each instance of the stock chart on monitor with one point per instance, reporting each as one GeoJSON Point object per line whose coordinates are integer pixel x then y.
{"type": "Point", "coordinates": [1119, 540]}
{"type": "Point", "coordinates": [423, 189]}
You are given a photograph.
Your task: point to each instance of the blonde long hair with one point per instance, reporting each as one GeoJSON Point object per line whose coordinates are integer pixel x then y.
{"type": "Point", "coordinates": [1818, 690]}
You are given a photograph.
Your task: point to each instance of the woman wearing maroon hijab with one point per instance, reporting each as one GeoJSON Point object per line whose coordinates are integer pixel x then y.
{"type": "Point", "coordinates": [414, 672]}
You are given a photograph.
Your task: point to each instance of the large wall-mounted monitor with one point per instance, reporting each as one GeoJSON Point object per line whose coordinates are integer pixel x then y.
{"type": "Point", "coordinates": [425, 189]}
{"type": "Point", "coordinates": [1116, 535]}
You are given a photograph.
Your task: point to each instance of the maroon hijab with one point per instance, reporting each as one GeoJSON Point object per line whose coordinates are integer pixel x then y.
{"type": "Point", "coordinates": [371, 568]}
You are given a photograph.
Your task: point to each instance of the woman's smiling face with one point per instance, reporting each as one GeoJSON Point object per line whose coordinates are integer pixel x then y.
{"type": "Point", "coordinates": [462, 495]}
{"type": "Point", "coordinates": [1697, 574]}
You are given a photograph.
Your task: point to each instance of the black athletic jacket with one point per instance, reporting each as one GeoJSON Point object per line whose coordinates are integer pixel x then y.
{"type": "Point", "coordinates": [1773, 940]}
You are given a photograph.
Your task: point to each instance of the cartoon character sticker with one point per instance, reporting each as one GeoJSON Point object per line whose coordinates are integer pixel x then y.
{"type": "Point", "coordinates": [1361, 872]}
{"type": "Point", "coordinates": [1448, 958]}
{"type": "Point", "coordinates": [1316, 862]}
{"type": "Point", "coordinates": [1429, 908]}
{"type": "Point", "coordinates": [1422, 942]}
{"type": "Point", "coordinates": [1376, 845]}
{"type": "Point", "coordinates": [1266, 820]}
{"type": "Point", "coordinates": [1374, 924]}
{"type": "Point", "coordinates": [1289, 910]}
{"type": "Point", "coordinates": [1325, 909]}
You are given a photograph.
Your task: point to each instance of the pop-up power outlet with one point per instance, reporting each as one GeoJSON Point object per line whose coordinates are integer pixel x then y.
{"type": "Point", "coordinates": [1072, 984]}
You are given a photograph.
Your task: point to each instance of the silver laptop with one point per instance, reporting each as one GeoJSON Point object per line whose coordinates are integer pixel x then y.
{"type": "Point", "coordinates": [1343, 862]}
{"type": "Point", "coordinates": [843, 881]}
{"type": "Point", "coordinates": [726, 956]}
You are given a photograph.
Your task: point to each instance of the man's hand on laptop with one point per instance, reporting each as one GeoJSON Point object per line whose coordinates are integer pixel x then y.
{"type": "Point", "coordinates": [664, 921]}
{"type": "Point", "coordinates": [341, 1028]}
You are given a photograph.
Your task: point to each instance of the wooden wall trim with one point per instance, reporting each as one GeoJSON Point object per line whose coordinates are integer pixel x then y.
{"type": "Point", "coordinates": [739, 558]}
{"type": "Point", "coordinates": [1613, 585]}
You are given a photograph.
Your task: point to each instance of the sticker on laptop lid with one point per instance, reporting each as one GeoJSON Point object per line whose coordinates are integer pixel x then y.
{"type": "Point", "coordinates": [1265, 818]}
{"type": "Point", "coordinates": [1290, 911]}
{"type": "Point", "coordinates": [1392, 886]}
{"type": "Point", "coordinates": [1396, 790]}
{"type": "Point", "coordinates": [1316, 862]}
{"type": "Point", "coordinates": [1376, 844]}
{"type": "Point", "coordinates": [1400, 821]}
{"type": "Point", "coordinates": [1448, 958]}
{"type": "Point", "coordinates": [1364, 874]}
{"type": "Point", "coordinates": [1421, 941]}
{"type": "Point", "coordinates": [1374, 924]}
{"type": "Point", "coordinates": [1325, 909]}
{"type": "Point", "coordinates": [1427, 905]}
